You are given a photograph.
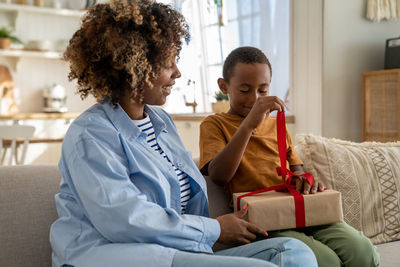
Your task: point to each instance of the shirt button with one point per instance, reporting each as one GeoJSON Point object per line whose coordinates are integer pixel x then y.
{"type": "Point", "coordinates": [180, 164]}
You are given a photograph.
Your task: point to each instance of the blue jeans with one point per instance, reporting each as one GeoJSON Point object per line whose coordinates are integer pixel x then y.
{"type": "Point", "coordinates": [269, 252]}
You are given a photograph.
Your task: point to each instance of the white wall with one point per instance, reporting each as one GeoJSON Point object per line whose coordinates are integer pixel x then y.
{"type": "Point", "coordinates": [306, 57]}
{"type": "Point", "coordinates": [351, 45]}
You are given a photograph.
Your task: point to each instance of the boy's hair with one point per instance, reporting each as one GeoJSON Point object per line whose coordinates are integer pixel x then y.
{"type": "Point", "coordinates": [244, 54]}
{"type": "Point", "coordinates": [121, 46]}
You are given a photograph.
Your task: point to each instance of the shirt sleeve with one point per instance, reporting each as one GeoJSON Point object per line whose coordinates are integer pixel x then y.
{"type": "Point", "coordinates": [121, 212]}
{"type": "Point", "coordinates": [212, 141]}
{"type": "Point", "coordinates": [292, 156]}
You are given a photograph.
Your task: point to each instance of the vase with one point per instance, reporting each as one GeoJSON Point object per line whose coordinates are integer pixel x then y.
{"type": "Point", "coordinates": [39, 3]}
{"type": "Point", "coordinates": [5, 43]}
{"type": "Point", "coordinates": [220, 106]}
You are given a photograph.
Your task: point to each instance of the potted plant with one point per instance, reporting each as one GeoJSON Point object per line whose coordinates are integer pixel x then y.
{"type": "Point", "coordinates": [222, 104]}
{"type": "Point", "coordinates": [7, 37]}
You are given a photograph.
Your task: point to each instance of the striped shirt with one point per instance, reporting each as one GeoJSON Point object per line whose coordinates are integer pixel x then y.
{"type": "Point", "coordinates": [147, 127]}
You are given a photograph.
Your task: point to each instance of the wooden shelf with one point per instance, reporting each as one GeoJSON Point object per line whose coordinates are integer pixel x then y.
{"type": "Point", "coordinates": [32, 54]}
{"type": "Point", "coordinates": [39, 116]}
{"type": "Point", "coordinates": [14, 56]}
{"type": "Point", "coordinates": [41, 10]}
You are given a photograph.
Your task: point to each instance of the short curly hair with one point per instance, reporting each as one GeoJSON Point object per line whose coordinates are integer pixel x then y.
{"type": "Point", "coordinates": [121, 46]}
{"type": "Point", "coordinates": [244, 54]}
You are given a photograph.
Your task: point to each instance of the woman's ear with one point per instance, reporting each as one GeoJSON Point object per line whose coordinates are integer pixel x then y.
{"type": "Point", "coordinates": [223, 85]}
{"type": "Point", "coordinates": [115, 65]}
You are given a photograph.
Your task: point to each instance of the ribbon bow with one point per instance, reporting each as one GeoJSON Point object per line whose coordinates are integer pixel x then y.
{"type": "Point", "coordinates": [283, 172]}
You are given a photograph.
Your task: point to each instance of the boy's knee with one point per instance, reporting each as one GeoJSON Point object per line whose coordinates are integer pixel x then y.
{"type": "Point", "coordinates": [364, 253]}
{"type": "Point", "coordinates": [326, 257]}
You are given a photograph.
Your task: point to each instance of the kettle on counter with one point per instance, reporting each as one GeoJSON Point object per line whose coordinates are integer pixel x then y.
{"type": "Point", "coordinates": [55, 99]}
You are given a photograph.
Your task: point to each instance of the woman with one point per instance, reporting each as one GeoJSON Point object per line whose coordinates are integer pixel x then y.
{"type": "Point", "coordinates": [130, 194]}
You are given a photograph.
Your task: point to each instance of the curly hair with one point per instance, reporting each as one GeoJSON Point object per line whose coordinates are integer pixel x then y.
{"type": "Point", "coordinates": [121, 46]}
{"type": "Point", "coordinates": [244, 54]}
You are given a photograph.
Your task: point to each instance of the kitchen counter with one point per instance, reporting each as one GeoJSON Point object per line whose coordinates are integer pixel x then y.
{"type": "Point", "coordinates": [71, 115]}
{"type": "Point", "coordinates": [201, 116]}
{"type": "Point", "coordinates": [51, 128]}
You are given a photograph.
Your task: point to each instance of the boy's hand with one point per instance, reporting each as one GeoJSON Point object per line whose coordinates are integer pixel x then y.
{"type": "Point", "coordinates": [303, 186]}
{"type": "Point", "coordinates": [235, 230]}
{"type": "Point", "coordinates": [261, 109]}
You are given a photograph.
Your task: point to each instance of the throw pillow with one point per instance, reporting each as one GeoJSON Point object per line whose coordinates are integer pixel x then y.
{"type": "Point", "coordinates": [368, 176]}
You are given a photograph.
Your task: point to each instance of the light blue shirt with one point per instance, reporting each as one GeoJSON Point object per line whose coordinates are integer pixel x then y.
{"type": "Point", "coordinates": [119, 202]}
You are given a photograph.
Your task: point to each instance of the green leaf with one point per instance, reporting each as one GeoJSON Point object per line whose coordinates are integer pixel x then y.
{"type": "Point", "coordinates": [15, 40]}
{"type": "Point", "coordinates": [218, 3]}
{"type": "Point", "coordinates": [8, 33]}
{"type": "Point", "coordinates": [219, 96]}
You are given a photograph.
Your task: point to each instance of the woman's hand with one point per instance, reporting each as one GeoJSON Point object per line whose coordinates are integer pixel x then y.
{"type": "Point", "coordinates": [235, 230]}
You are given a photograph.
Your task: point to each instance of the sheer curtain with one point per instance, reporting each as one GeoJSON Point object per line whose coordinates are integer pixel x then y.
{"type": "Point", "coordinates": [264, 24]}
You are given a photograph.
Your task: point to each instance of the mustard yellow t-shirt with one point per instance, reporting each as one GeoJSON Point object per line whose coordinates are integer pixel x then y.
{"type": "Point", "coordinates": [257, 168]}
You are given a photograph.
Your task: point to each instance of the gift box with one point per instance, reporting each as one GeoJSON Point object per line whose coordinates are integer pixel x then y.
{"type": "Point", "coordinates": [276, 210]}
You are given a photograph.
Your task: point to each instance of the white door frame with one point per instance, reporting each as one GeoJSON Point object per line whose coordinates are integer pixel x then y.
{"type": "Point", "coordinates": [307, 51]}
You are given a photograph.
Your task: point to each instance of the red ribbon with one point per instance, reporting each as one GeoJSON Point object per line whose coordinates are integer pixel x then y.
{"type": "Point", "coordinates": [283, 172]}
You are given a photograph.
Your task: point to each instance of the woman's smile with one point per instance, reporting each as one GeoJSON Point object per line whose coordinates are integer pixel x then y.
{"type": "Point", "coordinates": [166, 89]}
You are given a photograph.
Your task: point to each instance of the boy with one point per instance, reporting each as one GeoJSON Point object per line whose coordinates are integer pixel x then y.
{"type": "Point", "coordinates": [239, 151]}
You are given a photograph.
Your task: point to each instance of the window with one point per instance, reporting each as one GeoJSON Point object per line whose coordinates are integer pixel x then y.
{"type": "Point", "coordinates": [219, 26]}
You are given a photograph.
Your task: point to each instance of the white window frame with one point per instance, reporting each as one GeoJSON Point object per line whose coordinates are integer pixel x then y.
{"type": "Point", "coordinates": [207, 97]}
{"type": "Point", "coordinates": [306, 65]}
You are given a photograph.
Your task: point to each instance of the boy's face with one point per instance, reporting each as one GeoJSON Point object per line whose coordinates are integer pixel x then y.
{"type": "Point", "coordinates": [247, 83]}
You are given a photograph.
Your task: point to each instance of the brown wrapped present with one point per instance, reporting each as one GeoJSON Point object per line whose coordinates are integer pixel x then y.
{"type": "Point", "coordinates": [276, 210]}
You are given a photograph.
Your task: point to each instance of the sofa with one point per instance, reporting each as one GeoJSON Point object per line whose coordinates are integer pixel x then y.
{"type": "Point", "coordinates": [27, 210]}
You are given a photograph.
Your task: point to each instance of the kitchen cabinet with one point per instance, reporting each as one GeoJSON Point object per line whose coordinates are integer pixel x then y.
{"type": "Point", "coordinates": [189, 131]}
{"type": "Point", "coordinates": [14, 15]}
{"type": "Point", "coordinates": [34, 70]}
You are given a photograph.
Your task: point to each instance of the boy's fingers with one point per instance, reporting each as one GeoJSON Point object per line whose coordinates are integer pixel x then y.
{"type": "Point", "coordinates": [306, 187]}
{"type": "Point", "coordinates": [299, 184]}
{"type": "Point", "coordinates": [320, 187]}
{"type": "Point", "coordinates": [273, 103]}
{"type": "Point", "coordinates": [279, 106]}
{"type": "Point", "coordinates": [314, 188]}
{"type": "Point", "coordinates": [283, 106]}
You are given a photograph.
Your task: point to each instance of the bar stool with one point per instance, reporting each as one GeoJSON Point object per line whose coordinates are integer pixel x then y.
{"type": "Point", "coordinates": [10, 135]}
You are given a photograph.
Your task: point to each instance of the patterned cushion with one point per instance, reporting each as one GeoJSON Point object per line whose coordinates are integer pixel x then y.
{"type": "Point", "coordinates": [368, 176]}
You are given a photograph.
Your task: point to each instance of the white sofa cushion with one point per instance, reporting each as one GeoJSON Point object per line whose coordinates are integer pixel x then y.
{"type": "Point", "coordinates": [368, 176]}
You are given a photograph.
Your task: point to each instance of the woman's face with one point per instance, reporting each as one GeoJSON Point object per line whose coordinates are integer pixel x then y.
{"type": "Point", "coordinates": [162, 85]}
